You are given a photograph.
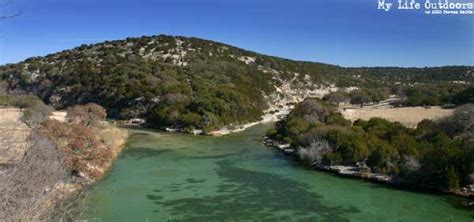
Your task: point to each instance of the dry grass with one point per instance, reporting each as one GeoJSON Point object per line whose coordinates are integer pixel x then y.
{"type": "Point", "coordinates": [408, 116]}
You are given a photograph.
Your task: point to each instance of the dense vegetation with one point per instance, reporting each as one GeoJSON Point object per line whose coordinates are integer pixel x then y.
{"type": "Point", "coordinates": [435, 94]}
{"type": "Point", "coordinates": [435, 154]}
{"type": "Point", "coordinates": [193, 83]}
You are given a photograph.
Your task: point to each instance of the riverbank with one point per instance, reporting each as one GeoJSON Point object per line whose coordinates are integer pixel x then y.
{"type": "Point", "coordinates": [52, 164]}
{"type": "Point", "coordinates": [113, 141]}
{"type": "Point", "coordinates": [266, 118]}
{"type": "Point", "coordinates": [362, 172]}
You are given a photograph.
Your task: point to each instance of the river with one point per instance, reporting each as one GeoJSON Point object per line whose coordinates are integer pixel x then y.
{"type": "Point", "coordinates": [179, 177]}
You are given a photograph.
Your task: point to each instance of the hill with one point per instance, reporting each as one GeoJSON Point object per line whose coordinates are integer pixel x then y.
{"type": "Point", "coordinates": [191, 83]}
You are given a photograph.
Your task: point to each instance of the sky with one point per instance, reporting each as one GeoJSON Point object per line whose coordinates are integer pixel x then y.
{"type": "Point", "coordinates": [344, 32]}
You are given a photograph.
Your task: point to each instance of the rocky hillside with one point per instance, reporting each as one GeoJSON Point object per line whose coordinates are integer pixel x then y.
{"type": "Point", "coordinates": [192, 83]}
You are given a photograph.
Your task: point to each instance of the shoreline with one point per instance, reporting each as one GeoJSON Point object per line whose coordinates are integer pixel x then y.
{"type": "Point", "coordinates": [266, 118]}
{"type": "Point", "coordinates": [354, 173]}
{"type": "Point", "coordinates": [34, 174]}
{"type": "Point", "coordinates": [396, 184]}
{"type": "Point", "coordinates": [77, 194]}
{"type": "Point", "coordinates": [73, 193]}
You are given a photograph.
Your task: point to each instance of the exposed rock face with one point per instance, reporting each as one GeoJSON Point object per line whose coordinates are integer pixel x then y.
{"type": "Point", "coordinates": [13, 136]}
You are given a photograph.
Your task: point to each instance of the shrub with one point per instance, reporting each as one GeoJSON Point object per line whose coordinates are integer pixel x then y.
{"type": "Point", "coordinates": [23, 190]}
{"type": "Point", "coordinates": [27, 101]}
{"type": "Point", "coordinates": [86, 115]}
{"type": "Point", "coordinates": [338, 119]}
{"type": "Point", "coordinates": [336, 97]}
{"type": "Point", "coordinates": [409, 166]}
{"type": "Point", "coordinates": [465, 96]}
{"type": "Point", "coordinates": [360, 97]}
{"type": "Point", "coordinates": [461, 124]}
{"type": "Point", "coordinates": [37, 114]}
{"type": "Point", "coordinates": [314, 153]}
{"type": "Point", "coordinates": [81, 146]}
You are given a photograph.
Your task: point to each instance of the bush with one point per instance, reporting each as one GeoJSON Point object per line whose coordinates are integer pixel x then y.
{"type": "Point", "coordinates": [86, 115]}
{"type": "Point", "coordinates": [409, 166]}
{"type": "Point", "coordinates": [23, 191]}
{"type": "Point", "coordinates": [81, 146]}
{"type": "Point", "coordinates": [37, 114]}
{"type": "Point", "coordinates": [461, 124]}
{"type": "Point", "coordinates": [336, 97]}
{"type": "Point", "coordinates": [360, 97]}
{"type": "Point", "coordinates": [314, 153]}
{"type": "Point", "coordinates": [463, 97]}
{"type": "Point", "coordinates": [27, 101]}
{"type": "Point", "coordinates": [338, 119]}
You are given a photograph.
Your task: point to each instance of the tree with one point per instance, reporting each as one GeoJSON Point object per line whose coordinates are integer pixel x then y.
{"type": "Point", "coordinates": [37, 114]}
{"type": "Point", "coordinates": [311, 110]}
{"type": "Point", "coordinates": [336, 97]}
{"type": "Point", "coordinates": [359, 97]}
{"type": "Point", "coordinates": [26, 190]}
{"type": "Point", "coordinates": [463, 97]}
{"type": "Point", "coordinates": [338, 119]}
{"type": "Point", "coordinates": [382, 156]}
{"type": "Point", "coordinates": [314, 153]}
{"type": "Point", "coordinates": [86, 115]}
{"type": "Point", "coordinates": [452, 179]}
{"type": "Point", "coordinates": [461, 124]}
{"type": "Point", "coordinates": [409, 166]}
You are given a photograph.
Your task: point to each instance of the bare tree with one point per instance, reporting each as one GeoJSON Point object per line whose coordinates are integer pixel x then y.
{"type": "Point", "coordinates": [409, 165]}
{"type": "Point", "coordinates": [6, 4]}
{"type": "Point", "coordinates": [37, 114]}
{"type": "Point", "coordinates": [86, 115]}
{"type": "Point", "coordinates": [315, 152]}
{"type": "Point", "coordinates": [26, 190]}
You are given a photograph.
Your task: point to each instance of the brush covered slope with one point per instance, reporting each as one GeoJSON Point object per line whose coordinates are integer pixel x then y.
{"type": "Point", "coordinates": [191, 83]}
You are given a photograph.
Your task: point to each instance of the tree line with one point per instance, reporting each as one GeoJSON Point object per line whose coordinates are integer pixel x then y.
{"type": "Point", "coordinates": [437, 154]}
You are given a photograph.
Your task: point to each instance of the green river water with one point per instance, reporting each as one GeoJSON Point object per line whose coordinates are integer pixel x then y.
{"type": "Point", "coordinates": [177, 177]}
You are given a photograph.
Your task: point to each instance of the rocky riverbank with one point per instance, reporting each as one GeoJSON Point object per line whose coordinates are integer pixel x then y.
{"type": "Point", "coordinates": [361, 171]}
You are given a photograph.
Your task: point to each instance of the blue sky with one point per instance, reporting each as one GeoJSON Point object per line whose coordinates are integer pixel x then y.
{"type": "Point", "coordinates": [343, 32]}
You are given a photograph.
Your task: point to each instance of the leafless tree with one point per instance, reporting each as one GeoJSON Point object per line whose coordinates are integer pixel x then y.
{"type": "Point", "coordinates": [315, 152]}
{"type": "Point", "coordinates": [409, 165]}
{"type": "Point", "coordinates": [37, 114]}
{"type": "Point", "coordinates": [26, 190]}
{"type": "Point", "coordinates": [6, 4]}
{"type": "Point", "coordinates": [86, 115]}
